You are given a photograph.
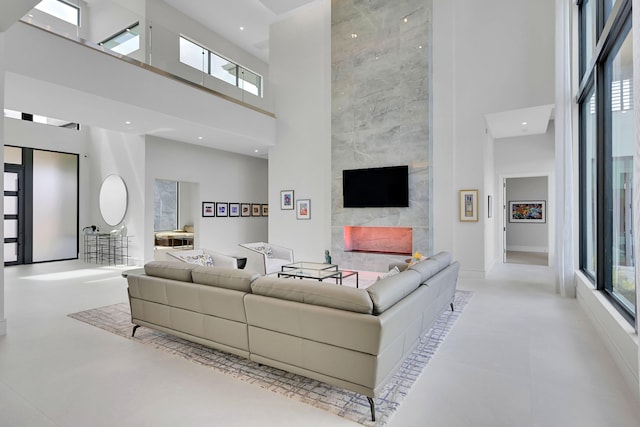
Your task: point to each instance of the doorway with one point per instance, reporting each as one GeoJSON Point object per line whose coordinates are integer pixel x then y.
{"type": "Point", "coordinates": [13, 214]}
{"type": "Point", "coordinates": [526, 227]}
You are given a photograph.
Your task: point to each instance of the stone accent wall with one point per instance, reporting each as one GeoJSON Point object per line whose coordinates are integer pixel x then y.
{"type": "Point", "coordinates": [380, 114]}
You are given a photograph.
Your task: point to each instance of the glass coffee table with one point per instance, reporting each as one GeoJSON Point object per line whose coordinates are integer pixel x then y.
{"type": "Point", "coordinates": [317, 271]}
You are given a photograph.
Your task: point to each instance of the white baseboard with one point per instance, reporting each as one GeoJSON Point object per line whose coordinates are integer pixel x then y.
{"type": "Point", "coordinates": [618, 335]}
{"type": "Point", "coordinates": [540, 249]}
{"type": "Point", "coordinates": [3, 327]}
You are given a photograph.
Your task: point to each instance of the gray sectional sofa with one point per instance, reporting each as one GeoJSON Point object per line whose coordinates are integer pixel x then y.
{"type": "Point", "coordinates": [355, 339]}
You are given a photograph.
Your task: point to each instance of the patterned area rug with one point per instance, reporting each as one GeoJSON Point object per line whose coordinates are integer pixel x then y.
{"type": "Point", "coordinates": [117, 319]}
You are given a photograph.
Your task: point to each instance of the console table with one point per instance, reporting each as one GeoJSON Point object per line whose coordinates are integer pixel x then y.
{"type": "Point", "coordinates": [106, 248]}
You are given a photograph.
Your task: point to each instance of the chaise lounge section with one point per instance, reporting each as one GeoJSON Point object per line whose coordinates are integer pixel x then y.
{"type": "Point", "coordinates": [355, 339]}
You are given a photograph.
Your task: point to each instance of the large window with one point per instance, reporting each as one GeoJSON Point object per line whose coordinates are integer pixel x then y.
{"type": "Point", "coordinates": [61, 10]}
{"type": "Point", "coordinates": [606, 149]}
{"type": "Point", "coordinates": [124, 42]}
{"type": "Point", "coordinates": [205, 61]}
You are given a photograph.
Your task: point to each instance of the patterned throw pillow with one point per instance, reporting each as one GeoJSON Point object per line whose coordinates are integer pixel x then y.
{"type": "Point", "coordinates": [392, 272]}
{"type": "Point", "coordinates": [204, 259]}
{"type": "Point", "coordinates": [267, 250]}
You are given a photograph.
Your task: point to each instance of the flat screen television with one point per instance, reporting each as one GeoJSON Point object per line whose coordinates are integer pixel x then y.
{"type": "Point", "coordinates": [384, 187]}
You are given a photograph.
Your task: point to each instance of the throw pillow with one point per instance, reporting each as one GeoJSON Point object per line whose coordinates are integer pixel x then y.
{"type": "Point", "coordinates": [416, 258]}
{"type": "Point", "coordinates": [204, 260]}
{"type": "Point", "coordinates": [392, 272]}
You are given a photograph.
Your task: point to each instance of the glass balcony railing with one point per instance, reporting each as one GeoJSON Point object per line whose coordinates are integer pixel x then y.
{"type": "Point", "coordinates": [160, 46]}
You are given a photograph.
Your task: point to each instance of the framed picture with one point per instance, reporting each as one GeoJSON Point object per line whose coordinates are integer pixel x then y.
{"type": "Point", "coordinates": [532, 211]}
{"type": "Point", "coordinates": [265, 210]}
{"type": "Point", "coordinates": [245, 209]}
{"type": "Point", "coordinates": [468, 205]}
{"type": "Point", "coordinates": [222, 209]}
{"type": "Point", "coordinates": [286, 200]}
{"type": "Point", "coordinates": [234, 209]}
{"type": "Point", "coordinates": [303, 209]}
{"type": "Point", "coordinates": [256, 209]}
{"type": "Point", "coordinates": [208, 209]}
{"type": "Point", "coordinates": [489, 206]}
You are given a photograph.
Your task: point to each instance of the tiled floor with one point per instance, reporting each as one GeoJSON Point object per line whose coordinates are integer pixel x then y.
{"type": "Point", "coordinates": [518, 356]}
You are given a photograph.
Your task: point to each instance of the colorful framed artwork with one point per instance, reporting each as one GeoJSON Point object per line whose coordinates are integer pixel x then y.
{"type": "Point", "coordinates": [245, 209]}
{"type": "Point", "coordinates": [234, 209]}
{"type": "Point", "coordinates": [286, 200]}
{"type": "Point", "coordinates": [265, 210]}
{"type": "Point", "coordinates": [208, 209]}
{"type": "Point", "coordinates": [303, 209]}
{"type": "Point", "coordinates": [222, 209]}
{"type": "Point", "coordinates": [531, 211]}
{"type": "Point", "coordinates": [256, 209]}
{"type": "Point", "coordinates": [468, 205]}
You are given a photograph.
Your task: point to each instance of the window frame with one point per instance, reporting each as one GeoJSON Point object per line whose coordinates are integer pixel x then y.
{"type": "Point", "coordinates": [77, 9]}
{"type": "Point", "coordinates": [238, 67]}
{"type": "Point", "coordinates": [610, 36]}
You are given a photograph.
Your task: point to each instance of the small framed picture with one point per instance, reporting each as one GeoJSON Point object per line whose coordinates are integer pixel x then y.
{"type": "Point", "coordinates": [265, 210]}
{"type": "Point", "coordinates": [234, 209]}
{"type": "Point", "coordinates": [256, 209]}
{"type": "Point", "coordinates": [245, 209]}
{"type": "Point", "coordinates": [468, 205]}
{"type": "Point", "coordinates": [286, 200]}
{"type": "Point", "coordinates": [303, 209]}
{"type": "Point", "coordinates": [222, 209]}
{"type": "Point", "coordinates": [208, 209]}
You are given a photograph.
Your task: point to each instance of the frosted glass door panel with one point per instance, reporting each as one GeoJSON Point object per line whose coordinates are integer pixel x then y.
{"type": "Point", "coordinates": [10, 228]}
{"type": "Point", "coordinates": [10, 181]}
{"type": "Point", "coordinates": [55, 206]}
{"type": "Point", "coordinates": [10, 252]}
{"type": "Point", "coordinates": [11, 205]}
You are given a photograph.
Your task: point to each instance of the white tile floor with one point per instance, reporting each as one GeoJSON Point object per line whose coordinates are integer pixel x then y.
{"type": "Point", "coordinates": [518, 356]}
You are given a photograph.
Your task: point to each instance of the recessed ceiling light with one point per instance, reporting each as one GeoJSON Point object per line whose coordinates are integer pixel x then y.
{"type": "Point", "coordinates": [524, 123]}
{"type": "Point", "coordinates": [420, 47]}
{"type": "Point", "coordinates": [127, 122]}
{"type": "Point", "coordinates": [241, 28]}
{"type": "Point", "coordinates": [256, 151]}
{"type": "Point", "coordinates": [199, 137]}
{"type": "Point", "coordinates": [406, 19]}
{"type": "Point", "coordinates": [30, 16]}
{"type": "Point", "coordinates": [354, 35]}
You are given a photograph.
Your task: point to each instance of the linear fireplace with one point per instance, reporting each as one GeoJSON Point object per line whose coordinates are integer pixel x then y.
{"type": "Point", "coordinates": [386, 240]}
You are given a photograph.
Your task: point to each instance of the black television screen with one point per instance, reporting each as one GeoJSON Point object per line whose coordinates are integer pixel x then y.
{"type": "Point", "coordinates": [376, 187]}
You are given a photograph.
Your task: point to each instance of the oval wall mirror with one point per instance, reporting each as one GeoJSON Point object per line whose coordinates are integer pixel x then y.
{"type": "Point", "coordinates": [113, 199]}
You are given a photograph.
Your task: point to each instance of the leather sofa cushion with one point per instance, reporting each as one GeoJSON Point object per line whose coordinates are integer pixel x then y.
{"type": "Point", "coordinates": [221, 277]}
{"type": "Point", "coordinates": [315, 293]}
{"type": "Point", "coordinates": [432, 265]}
{"type": "Point", "coordinates": [386, 292]}
{"type": "Point", "coordinates": [174, 270]}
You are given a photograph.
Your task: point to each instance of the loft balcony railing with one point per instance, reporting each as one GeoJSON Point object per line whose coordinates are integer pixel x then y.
{"type": "Point", "coordinates": [163, 51]}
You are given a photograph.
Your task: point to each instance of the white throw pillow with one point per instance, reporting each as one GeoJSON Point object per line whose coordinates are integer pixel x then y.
{"type": "Point", "coordinates": [392, 272]}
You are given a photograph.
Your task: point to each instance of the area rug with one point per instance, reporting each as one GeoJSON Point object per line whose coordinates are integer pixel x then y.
{"type": "Point", "coordinates": [117, 319]}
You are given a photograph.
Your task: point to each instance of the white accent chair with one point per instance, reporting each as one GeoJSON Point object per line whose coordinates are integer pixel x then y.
{"type": "Point", "coordinates": [205, 257]}
{"type": "Point", "coordinates": [266, 258]}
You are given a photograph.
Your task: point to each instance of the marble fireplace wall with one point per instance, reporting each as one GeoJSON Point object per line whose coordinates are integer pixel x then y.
{"type": "Point", "coordinates": [380, 114]}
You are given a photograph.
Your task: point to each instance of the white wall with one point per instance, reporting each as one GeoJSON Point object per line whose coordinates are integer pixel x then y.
{"type": "Point", "coordinates": [219, 176]}
{"type": "Point", "coordinates": [168, 24]}
{"type": "Point", "coordinates": [300, 74]}
{"type": "Point", "coordinates": [528, 237]}
{"type": "Point", "coordinates": [3, 321]}
{"type": "Point", "coordinates": [106, 18]}
{"type": "Point", "coordinates": [122, 154]}
{"type": "Point", "coordinates": [481, 68]}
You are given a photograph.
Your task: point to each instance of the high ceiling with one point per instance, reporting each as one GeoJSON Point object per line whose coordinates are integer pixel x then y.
{"type": "Point", "coordinates": [243, 22]}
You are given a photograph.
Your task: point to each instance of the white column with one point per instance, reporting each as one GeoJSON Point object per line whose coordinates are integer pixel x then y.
{"type": "Point", "coordinates": [565, 283]}
{"type": "Point", "coordinates": [3, 320]}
